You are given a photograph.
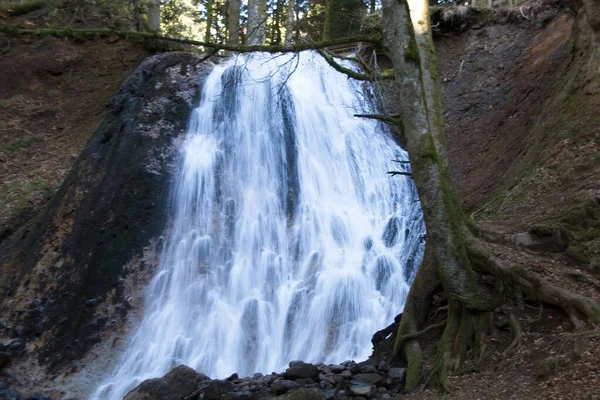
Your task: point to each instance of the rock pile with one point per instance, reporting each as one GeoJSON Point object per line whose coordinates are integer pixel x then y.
{"type": "Point", "coordinates": [301, 381]}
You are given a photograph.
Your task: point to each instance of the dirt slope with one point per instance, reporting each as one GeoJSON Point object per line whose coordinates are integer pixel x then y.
{"type": "Point", "coordinates": [52, 97]}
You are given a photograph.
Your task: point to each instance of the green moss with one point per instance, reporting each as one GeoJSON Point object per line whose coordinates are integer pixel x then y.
{"type": "Point", "coordinates": [414, 360]}
{"type": "Point", "coordinates": [412, 51]}
{"type": "Point", "coordinates": [21, 143]}
{"type": "Point", "coordinates": [582, 224]}
{"type": "Point", "coordinates": [16, 9]}
{"type": "Point", "coordinates": [430, 149]}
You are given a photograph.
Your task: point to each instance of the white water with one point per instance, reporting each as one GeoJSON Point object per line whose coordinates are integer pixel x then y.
{"type": "Point", "coordinates": [289, 240]}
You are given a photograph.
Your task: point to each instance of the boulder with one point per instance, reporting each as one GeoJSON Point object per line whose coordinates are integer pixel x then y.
{"type": "Point", "coordinates": [368, 369]}
{"type": "Point", "coordinates": [178, 383]}
{"type": "Point", "coordinates": [397, 373]}
{"type": "Point", "coordinates": [307, 394]}
{"type": "Point", "coordinates": [283, 386]}
{"type": "Point", "coordinates": [361, 389]}
{"type": "Point", "coordinates": [302, 371]}
{"type": "Point", "coordinates": [4, 360]}
{"type": "Point", "coordinates": [108, 213]}
{"type": "Point", "coordinates": [368, 378]}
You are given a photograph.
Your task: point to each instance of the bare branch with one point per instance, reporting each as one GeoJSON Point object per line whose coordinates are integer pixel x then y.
{"type": "Point", "coordinates": [348, 71]}
{"type": "Point", "coordinates": [394, 173]}
{"type": "Point", "coordinates": [388, 119]}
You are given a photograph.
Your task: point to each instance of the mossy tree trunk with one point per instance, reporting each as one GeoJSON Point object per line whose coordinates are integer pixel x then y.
{"type": "Point", "coordinates": [257, 20]}
{"type": "Point", "coordinates": [328, 20]}
{"type": "Point", "coordinates": [209, 19]}
{"type": "Point", "coordinates": [154, 15]}
{"type": "Point", "coordinates": [453, 255]}
{"type": "Point", "coordinates": [233, 22]}
{"type": "Point", "coordinates": [289, 22]}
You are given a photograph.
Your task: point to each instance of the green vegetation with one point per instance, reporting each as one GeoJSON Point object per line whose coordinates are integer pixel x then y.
{"type": "Point", "coordinates": [23, 192]}
{"type": "Point", "coordinates": [14, 9]}
{"type": "Point", "coordinates": [22, 143]}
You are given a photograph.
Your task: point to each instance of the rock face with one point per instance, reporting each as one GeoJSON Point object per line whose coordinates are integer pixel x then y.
{"type": "Point", "coordinates": [65, 277]}
{"type": "Point", "coordinates": [178, 383]}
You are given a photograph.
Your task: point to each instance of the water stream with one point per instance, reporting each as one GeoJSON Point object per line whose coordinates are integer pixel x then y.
{"type": "Point", "coordinates": [289, 240]}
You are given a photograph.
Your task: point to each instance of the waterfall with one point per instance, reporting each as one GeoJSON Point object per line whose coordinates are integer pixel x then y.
{"type": "Point", "coordinates": [289, 240]}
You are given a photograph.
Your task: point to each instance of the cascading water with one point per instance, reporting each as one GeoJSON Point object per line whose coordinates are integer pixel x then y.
{"type": "Point", "coordinates": [289, 241]}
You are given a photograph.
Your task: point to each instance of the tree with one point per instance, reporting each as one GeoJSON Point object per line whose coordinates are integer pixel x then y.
{"type": "Point", "coordinates": [454, 256]}
{"type": "Point", "coordinates": [209, 19]}
{"type": "Point", "coordinates": [257, 21]}
{"type": "Point", "coordinates": [153, 15]}
{"type": "Point", "coordinates": [233, 22]}
{"type": "Point", "coordinates": [328, 21]}
{"type": "Point", "coordinates": [289, 22]}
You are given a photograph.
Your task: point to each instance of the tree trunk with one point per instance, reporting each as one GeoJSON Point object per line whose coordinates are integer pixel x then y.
{"type": "Point", "coordinates": [458, 258]}
{"type": "Point", "coordinates": [372, 4]}
{"type": "Point", "coordinates": [289, 22]}
{"type": "Point", "coordinates": [233, 22]}
{"type": "Point", "coordinates": [328, 21]}
{"type": "Point", "coordinates": [209, 19]}
{"type": "Point", "coordinates": [138, 15]}
{"type": "Point", "coordinates": [257, 20]}
{"type": "Point", "coordinates": [153, 15]}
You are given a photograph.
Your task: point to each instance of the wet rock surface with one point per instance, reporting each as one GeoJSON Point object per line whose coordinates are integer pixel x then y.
{"type": "Point", "coordinates": [301, 381]}
{"type": "Point", "coordinates": [65, 274]}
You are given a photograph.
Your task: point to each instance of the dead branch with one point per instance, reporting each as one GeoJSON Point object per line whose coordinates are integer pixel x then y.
{"type": "Point", "coordinates": [388, 119]}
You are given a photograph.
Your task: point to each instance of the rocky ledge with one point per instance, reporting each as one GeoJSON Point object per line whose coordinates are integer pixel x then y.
{"type": "Point", "coordinates": [301, 381]}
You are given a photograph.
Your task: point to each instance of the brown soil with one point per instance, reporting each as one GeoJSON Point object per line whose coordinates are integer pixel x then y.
{"type": "Point", "coordinates": [52, 98]}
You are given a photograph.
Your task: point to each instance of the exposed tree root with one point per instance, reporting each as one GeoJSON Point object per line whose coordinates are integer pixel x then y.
{"type": "Point", "coordinates": [466, 329]}
{"type": "Point", "coordinates": [516, 330]}
{"type": "Point", "coordinates": [420, 333]}
{"type": "Point", "coordinates": [534, 286]}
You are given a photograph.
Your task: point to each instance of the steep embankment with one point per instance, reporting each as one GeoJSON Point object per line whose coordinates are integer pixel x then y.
{"type": "Point", "coordinates": [521, 109]}
{"type": "Point", "coordinates": [53, 95]}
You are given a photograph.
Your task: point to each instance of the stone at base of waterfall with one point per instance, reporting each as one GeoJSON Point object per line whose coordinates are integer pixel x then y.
{"type": "Point", "coordinates": [4, 359]}
{"type": "Point", "coordinates": [178, 383]}
{"type": "Point", "coordinates": [302, 371]}
{"type": "Point", "coordinates": [283, 386]}
{"type": "Point", "coordinates": [368, 378]}
{"type": "Point", "coordinates": [397, 373]}
{"type": "Point", "coordinates": [361, 389]}
{"type": "Point", "coordinates": [306, 394]}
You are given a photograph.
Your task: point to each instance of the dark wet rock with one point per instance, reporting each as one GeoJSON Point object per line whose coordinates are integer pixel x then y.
{"type": "Point", "coordinates": [346, 374]}
{"type": "Point", "coordinates": [4, 360]}
{"type": "Point", "coordinates": [109, 209]}
{"type": "Point", "coordinates": [361, 390]}
{"type": "Point", "coordinates": [38, 396]}
{"type": "Point", "coordinates": [243, 395]}
{"type": "Point", "coordinates": [397, 373]}
{"type": "Point", "coordinates": [7, 394]}
{"type": "Point", "coordinates": [307, 394]}
{"type": "Point", "coordinates": [368, 369]}
{"type": "Point", "coordinates": [335, 368]}
{"type": "Point", "coordinates": [295, 362]}
{"type": "Point", "coordinates": [302, 371]}
{"type": "Point", "coordinates": [232, 377]}
{"type": "Point", "coordinates": [283, 386]}
{"type": "Point", "coordinates": [178, 383]}
{"type": "Point", "coordinates": [368, 378]}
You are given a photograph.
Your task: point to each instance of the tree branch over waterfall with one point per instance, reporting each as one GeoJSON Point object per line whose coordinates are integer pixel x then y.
{"type": "Point", "coordinates": [133, 35]}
